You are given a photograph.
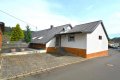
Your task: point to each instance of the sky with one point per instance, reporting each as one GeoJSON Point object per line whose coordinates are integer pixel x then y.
{"type": "Point", "coordinates": [40, 14]}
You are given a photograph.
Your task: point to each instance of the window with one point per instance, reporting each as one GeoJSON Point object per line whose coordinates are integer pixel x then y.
{"type": "Point", "coordinates": [100, 37]}
{"type": "Point", "coordinates": [40, 37]}
{"type": "Point", "coordinates": [71, 37]}
{"type": "Point", "coordinates": [34, 37]}
{"type": "Point", "coordinates": [65, 29]}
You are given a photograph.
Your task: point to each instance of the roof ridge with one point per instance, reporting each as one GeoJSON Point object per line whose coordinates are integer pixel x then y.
{"type": "Point", "coordinates": [89, 22]}
{"type": "Point", "coordinates": [55, 27]}
{"type": "Point", "coordinates": [63, 25]}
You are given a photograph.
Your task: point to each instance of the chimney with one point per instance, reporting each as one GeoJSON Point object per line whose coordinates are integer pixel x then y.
{"type": "Point", "coordinates": [51, 26]}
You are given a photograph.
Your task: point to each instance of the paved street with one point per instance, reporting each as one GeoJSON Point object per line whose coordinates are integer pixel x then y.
{"type": "Point", "coordinates": [103, 68]}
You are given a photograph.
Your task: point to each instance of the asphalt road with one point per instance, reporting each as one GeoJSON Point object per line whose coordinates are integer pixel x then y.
{"type": "Point", "coordinates": [103, 68]}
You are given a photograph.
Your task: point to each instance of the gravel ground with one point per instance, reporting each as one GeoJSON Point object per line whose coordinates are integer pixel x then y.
{"type": "Point", "coordinates": [22, 64]}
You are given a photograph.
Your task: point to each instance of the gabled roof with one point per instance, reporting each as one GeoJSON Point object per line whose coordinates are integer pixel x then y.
{"type": "Point", "coordinates": [87, 28]}
{"type": "Point", "coordinates": [44, 36]}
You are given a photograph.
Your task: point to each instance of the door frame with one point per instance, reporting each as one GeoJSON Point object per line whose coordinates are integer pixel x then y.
{"type": "Point", "coordinates": [58, 41]}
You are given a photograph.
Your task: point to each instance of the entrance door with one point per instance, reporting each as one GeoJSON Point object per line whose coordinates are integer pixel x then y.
{"type": "Point", "coordinates": [58, 41]}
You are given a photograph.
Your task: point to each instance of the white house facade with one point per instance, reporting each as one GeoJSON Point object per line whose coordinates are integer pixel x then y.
{"type": "Point", "coordinates": [86, 40]}
{"type": "Point", "coordinates": [85, 43]}
{"type": "Point", "coordinates": [97, 41]}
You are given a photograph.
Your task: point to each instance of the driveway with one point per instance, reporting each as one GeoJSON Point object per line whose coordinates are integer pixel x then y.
{"type": "Point", "coordinates": [21, 65]}
{"type": "Point", "coordinates": [103, 68]}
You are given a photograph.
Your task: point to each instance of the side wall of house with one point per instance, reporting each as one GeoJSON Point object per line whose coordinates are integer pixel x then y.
{"type": "Point", "coordinates": [95, 46]}
{"type": "Point", "coordinates": [77, 47]}
{"type": "Point", "coordinates": [1, 30]}
{"type": "Point", "coordinates": [50, 46]}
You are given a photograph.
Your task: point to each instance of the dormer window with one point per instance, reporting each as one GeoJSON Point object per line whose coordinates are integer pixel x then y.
{"type": "Point", "coordinates": [65, 29]}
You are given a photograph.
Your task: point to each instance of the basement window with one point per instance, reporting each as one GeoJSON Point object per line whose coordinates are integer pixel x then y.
{"type": "Point", "coordinates": [71, 37]}
{"type": "Point", "coordinates": [100, 37]}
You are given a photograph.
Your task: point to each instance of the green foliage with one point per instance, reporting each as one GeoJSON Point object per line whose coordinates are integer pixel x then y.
{"type": "Point", "coordinates": [28, 36]}
{"type": "Point", "coordinates": [7, 33]}
{"type": "Point", "coordinates": [17, 34]}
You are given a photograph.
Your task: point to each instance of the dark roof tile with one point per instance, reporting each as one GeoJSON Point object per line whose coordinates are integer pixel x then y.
{"type": "Point", "coordinates": [85, 28]}
{"type": "Point", "coordinates": [46, 34]}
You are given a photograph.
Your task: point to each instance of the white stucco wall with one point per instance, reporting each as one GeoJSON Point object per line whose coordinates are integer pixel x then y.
{"type": "Point", "coordinates": [93, 42]}
{"type": "Point", "coordinates": [51, 43]}
{"type": "Point", "coordinates": [80, 41]}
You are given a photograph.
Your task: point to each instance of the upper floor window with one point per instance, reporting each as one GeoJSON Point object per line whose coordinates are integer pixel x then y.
{"type": "Point", "coordinates": [65, 29]}
{"type": "Point", "coordinates": [100, 37]}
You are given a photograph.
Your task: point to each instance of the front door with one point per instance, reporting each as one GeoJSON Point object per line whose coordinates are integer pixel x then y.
{"type": "Point", "coordinates": [58, 41]}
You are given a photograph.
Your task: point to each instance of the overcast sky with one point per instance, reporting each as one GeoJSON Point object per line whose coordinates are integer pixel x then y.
{"type": "Point", "coordinates": [43, 13]}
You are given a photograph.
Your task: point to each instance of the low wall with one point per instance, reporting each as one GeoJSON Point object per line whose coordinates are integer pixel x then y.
{"type": "Point", "coordinates": [37, 46]}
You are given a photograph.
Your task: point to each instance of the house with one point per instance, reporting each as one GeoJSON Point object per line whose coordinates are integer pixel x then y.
{"type": "Point", "coordinates": [86, 40]}
{"type": "Point", "coordinates": [40, 39]}
{"type": "Point", "coordinates": [114, 44]}
{"type": "Point", "coordinates": [1, 30]}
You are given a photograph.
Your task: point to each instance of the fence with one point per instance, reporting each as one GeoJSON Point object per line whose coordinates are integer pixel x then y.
{"type": "Point", "coordinates": [11, 47]}
{"type": "Point", "coordinates": [14, 45]}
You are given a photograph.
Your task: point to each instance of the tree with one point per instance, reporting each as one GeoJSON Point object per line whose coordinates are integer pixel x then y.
{"type": "Point", "coordinates": [17, 33]}
{"type": "Point", "coordinates": [28, 35]}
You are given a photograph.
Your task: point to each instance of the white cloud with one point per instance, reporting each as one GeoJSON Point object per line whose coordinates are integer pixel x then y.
{"type": "Point", "coordinates": [113, 23]}
{"type": "Point", "coordinates": [40, 15]}
{"type": "Point", "coordinates": [44, 20]}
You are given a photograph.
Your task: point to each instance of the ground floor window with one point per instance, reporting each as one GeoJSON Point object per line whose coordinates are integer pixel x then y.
{"type": "Point", "coordinates": [71, 37]}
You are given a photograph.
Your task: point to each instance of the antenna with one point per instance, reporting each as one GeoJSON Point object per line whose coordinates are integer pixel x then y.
{"type": "Point", "coordinates": [36, 28]}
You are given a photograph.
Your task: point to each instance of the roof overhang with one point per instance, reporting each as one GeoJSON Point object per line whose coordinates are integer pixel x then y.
{"type": "Point", "coordinates": [100, 22]}
{"type": "Point", "coordinates": [105, 31]}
